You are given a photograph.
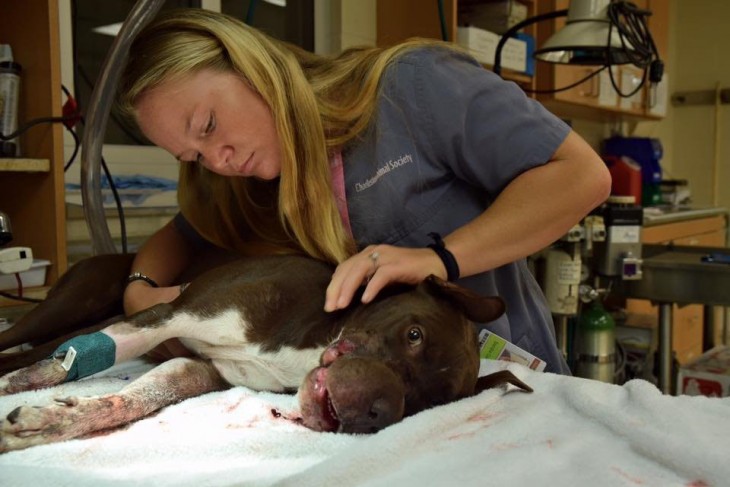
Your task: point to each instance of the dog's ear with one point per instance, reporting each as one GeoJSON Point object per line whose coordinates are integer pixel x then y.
{"type": "Point", "coordinates": [481, 309]}
{"type": "Point", "coordinates": [497, 379]}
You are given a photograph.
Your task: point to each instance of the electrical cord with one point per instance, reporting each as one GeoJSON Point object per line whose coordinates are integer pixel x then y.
{"type": "Point", "coordinates": [570, 86]}
{"type": "Point", "coordinates": [20, 298]}
{"type": "Point", "coordinates": [497, 66]}
{"type": "Point", "coordinates": [76, 117]}
{"type": "Point", "coordinates": [24, 128]}
{"type": "Point", "coordinates": [250, 12]}
{"type": "Point", "coordinates": [77, 144]}
{"type": "Point", "coordinates": [69, 127]}
{"type": "Point", "coordinates": [442, 21]}
{"type": "Point", "coordinates": [631, 26]}
{"type": "Point", "coordinates": [620, 366]}
{"type": "Point", "coordinates": [115, 193]}
{"type": "Point", "coordinates": [637, 43]}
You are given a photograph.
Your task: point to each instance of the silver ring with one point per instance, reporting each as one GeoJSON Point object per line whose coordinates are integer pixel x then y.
{"type": "Point", "coordinates": [374, 255]}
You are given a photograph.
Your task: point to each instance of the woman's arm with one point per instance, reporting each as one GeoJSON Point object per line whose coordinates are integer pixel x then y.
{"type": "Point", "coordinates": [162, 258]}
{"type": "Point", "coordinates": [534, 210]}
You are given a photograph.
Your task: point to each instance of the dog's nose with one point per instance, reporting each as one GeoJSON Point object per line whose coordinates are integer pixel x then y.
{"type": "Point", "coordinates": [336, 350]}
{"type": "Point", "coordinates": [366, 394]}
{"type": "Point", "coordinates": [382, 412]}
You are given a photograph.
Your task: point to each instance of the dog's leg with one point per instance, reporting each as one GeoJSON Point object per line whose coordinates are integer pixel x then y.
{"type": "Point", "coordinates": [46, 373]}
{"type": "Point", "coordinates": [72, 417]}
{"type": "Point", "coordinates": [88, 293]}
{"type": "Point", "coordinates": [93, 353]}
{"type": "Point", "coordinates": [10, 362]}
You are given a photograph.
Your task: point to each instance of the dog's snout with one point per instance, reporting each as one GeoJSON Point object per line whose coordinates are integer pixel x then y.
{"type": "Point", "coordinates": [367, 395]}
{"type": "Point", "coordinates": [382, 408]}
{"type": "Point", "coordinates": [382, 412]}
{"type": "Point", "coordinates": [336, 350]}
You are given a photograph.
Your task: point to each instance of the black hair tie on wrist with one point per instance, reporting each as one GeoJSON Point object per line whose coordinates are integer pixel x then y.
{"type": "Point", "coordinates": [452, 267]}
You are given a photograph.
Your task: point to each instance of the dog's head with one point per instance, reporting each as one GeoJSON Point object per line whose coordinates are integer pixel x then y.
{"type": "Point", "coordinates": [405, 352]}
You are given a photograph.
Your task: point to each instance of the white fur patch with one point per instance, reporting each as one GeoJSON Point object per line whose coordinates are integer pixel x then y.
{"type": "Point", "coordinates": [222, 339]}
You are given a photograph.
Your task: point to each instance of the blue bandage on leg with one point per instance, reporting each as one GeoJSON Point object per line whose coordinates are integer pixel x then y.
{"type": "Point", "coordinates": [91, 354]}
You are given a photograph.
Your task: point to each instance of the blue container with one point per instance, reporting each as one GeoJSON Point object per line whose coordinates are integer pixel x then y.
{"type": "Point", "coordinates": [529, 60]}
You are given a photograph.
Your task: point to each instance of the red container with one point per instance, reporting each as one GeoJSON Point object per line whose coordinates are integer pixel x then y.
{"type": "Point", "coordinates": [626, 175]}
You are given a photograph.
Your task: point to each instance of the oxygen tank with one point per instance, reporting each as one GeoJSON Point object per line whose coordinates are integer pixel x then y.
{"type": "Point", "coordinates": [596, 344]}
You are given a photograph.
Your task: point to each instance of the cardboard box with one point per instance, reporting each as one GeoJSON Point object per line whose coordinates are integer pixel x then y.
{"type": "Point", "coordinates": [708, 375]}
{"type": "Point", "coordinates": [496, 15]}
{"type": "Point", "coordinates": [482, 44]}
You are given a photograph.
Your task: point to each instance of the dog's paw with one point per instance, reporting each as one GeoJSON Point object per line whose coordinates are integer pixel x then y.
{"type": "Point", "coordinates": [46, 373]}
{"type": "Point", "coordinates": [28, 426]}
{"type": "Point", "coordinates": [5, 386]}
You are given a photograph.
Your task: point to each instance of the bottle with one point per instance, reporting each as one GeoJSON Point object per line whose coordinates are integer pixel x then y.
{"type": "Point", "coordinates": [596, 344]}
{"type": "Point", "coordinates": [9, 91]}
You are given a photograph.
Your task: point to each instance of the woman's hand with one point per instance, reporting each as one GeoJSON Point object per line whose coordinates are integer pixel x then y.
{"type": "Point", "coordinates": [377, 266]}
{"type": "Point", "coordinates": [140, 295]}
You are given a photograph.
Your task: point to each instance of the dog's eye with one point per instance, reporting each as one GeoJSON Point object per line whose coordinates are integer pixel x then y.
{"type": "Point", "coordinates": [415, 336]}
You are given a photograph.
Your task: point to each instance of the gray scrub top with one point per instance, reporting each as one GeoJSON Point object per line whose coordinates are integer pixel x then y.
{"type": "Point", "coordinates": [448, 137]}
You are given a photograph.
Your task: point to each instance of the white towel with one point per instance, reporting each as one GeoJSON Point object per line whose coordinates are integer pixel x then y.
{"type": "Point", "coordinates": [570, 431]}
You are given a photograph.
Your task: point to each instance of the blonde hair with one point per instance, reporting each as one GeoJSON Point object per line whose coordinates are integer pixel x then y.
{"type": "Point", "coordinates": [319, 104]}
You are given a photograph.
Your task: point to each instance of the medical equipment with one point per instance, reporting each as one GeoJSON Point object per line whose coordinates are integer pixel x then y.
{"type": "Point", "coordinates": [9, 90]}
{"type": "Point", "coordinates": [15, 259]}
{"type": "Point", "coordinates": [6, 231]}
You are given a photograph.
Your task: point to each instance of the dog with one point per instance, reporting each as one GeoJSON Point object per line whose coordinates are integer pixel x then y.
{"type": "Point", "coordinates": [259, 322]}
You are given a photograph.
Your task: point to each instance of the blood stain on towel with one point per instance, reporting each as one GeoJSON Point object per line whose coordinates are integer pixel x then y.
{"type": "Point", "coordinates": [698, 483]}
{"type": "Point", "coordinates": [232, 407]}
{"type": "Point", "coordinates": [482, 417]}
{"type": "Point", "coordinates": [104, 432]}
{"type": "Point", "coordinates": [476, 422]}
{"type": "Point", "coordinates": [628, 477]}
{"type": "Point", "coordinates": [294, 418]}
{"type": "Point", "coordinates": [505, 446]}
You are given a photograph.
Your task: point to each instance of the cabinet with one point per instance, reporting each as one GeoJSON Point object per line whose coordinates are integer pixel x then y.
{"type": "Point", "coordinates": [398, 20]}
{"type": "Point", "coordinates": [687, 321]}
{"type": "Point", "coordinates": [596, 98]}
{"type": "Point", "coordinates": [32, 189]}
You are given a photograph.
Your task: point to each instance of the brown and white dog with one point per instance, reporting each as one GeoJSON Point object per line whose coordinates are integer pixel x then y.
{"type": "Point", "coordinates": [258, 322]}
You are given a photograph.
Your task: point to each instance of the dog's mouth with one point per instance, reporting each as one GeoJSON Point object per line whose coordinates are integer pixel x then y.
{"type": "Point", "coordinates": [318, 410]}
{"type": "Point", "coordinates": [353, 395]}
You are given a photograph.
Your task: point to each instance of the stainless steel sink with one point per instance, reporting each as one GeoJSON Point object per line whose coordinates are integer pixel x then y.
{"type": "Point", "coordinates": [657, 215]}
{"type": "Point", "coordinates": [677, 274]}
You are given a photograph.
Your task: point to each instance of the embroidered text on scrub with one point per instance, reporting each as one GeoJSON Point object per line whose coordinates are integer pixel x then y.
{"type": "Point", "coordinates": [385, 169]}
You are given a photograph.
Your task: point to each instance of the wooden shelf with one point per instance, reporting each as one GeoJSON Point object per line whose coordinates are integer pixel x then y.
{"type": "Point", "coordinates": [32, 188]}
{"type": "Point", "coordinates": [399, 20]}
{"type": "Point", "coordinates": [33, 292]}
{"type": "Point", "coordinates": [517, 77]}
{"type": "Point", "coordinates": [25, 165]}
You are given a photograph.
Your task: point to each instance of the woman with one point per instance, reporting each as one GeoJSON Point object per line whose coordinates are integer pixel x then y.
{"type": "Point", "coordinates": [363, 160]}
